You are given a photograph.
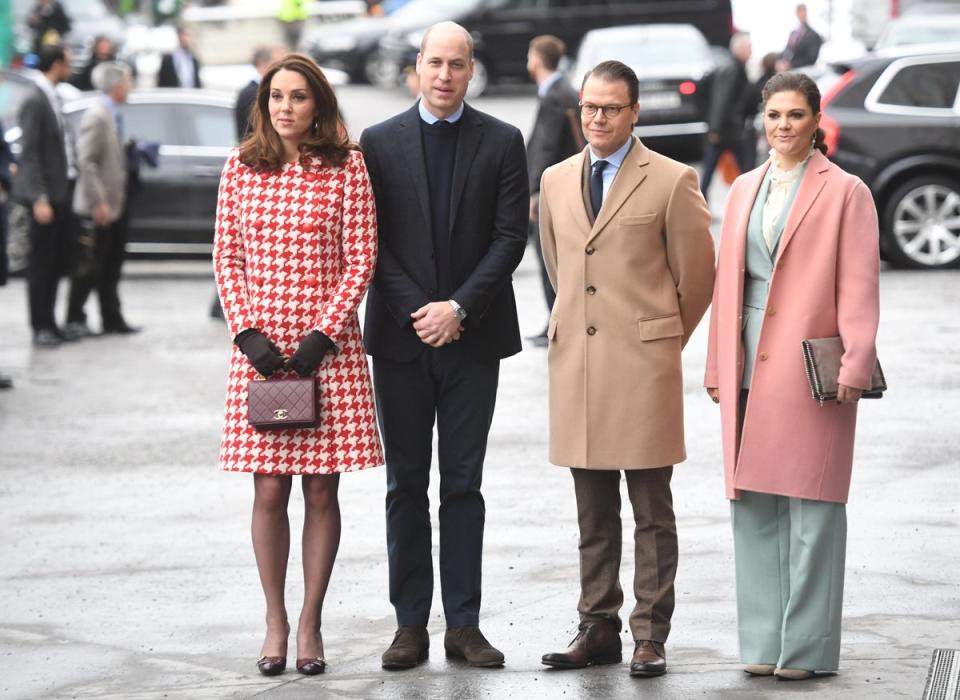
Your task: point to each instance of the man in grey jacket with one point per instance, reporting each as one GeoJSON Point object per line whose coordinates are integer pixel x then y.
{"type": "Point", "coordinates": [100, 199]}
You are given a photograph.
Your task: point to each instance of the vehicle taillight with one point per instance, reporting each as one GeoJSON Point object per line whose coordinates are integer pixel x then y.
{"type": "Point", "coordinates": [687, 87]}
{"type": "Point", "coordinates": [831, 128]}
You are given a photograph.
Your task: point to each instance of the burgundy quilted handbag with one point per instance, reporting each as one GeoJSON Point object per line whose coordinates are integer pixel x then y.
{"type": "Point", "coordinates": [278, 404]}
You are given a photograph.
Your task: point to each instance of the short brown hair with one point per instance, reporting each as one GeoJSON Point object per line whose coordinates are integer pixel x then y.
{"type": "Point", "coordinates": [550, 49]}
{"type": "Point", "coordinates": [262, 148]}
{"type": "Point", "coordinates": [615, 71]}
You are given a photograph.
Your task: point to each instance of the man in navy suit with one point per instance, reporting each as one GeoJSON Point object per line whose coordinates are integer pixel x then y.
{"type": "Point", "coordinates": [452, 199]}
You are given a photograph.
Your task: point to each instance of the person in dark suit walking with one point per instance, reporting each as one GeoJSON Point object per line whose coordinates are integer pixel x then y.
{"type": "Point", "coordinates": [7, 163]}
{"type": "Point", "coordinates": [803, 44]}
{"type": "Point", "coordinates": [729, 89]}
{"type": "Point", "coordinates": [555, 137]}
{"type": "Point", "coordinates": [263, 56]}
{"type": "Point", "coordinates": [450, 184]}
{"type": "Point", "coordinates": [42, 184]}
{"type": "Point", "coordinates": [180, 68]}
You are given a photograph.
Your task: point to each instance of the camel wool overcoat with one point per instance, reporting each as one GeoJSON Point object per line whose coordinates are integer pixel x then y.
{"type": "Point", "coordinates": [825, 283]}
{"type": "Point", "coordinates": [631, 288]}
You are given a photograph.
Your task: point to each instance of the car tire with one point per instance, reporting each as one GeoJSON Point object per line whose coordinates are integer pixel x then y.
{"type": "Point", "coordinates": [380, 71]}
{"type": "Point", "coordinates": [481, 78]}
{"type": "Point", "coordinates": [921, 224]}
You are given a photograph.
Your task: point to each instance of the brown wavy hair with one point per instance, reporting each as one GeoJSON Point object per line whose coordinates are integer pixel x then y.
{"type": "Point", "coordinates": [262, 148]}
{"type": "Point", "coordinates": [792, 81]}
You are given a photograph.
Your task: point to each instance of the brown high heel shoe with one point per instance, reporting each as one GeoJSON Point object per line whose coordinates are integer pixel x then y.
{"type": "Point", "coordinates": [312, 667]}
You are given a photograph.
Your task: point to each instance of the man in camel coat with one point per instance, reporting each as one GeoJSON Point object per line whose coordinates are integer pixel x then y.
{"type": "Point", "coordinates": [626, 241]}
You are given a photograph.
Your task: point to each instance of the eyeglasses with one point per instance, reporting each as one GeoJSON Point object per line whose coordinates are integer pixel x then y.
{"type": "Point", "coordinates": [609, 111]}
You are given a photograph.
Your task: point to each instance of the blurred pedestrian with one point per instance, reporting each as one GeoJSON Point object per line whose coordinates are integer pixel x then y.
{"type": "Point", "coordinates": [180, 68]}
{"type": "Point", "coordinates": [263, 58]}
{"type": "Point", "coordinates": [293, 15]}
{"type": "Point", "coordinates": [787, 458]}
{"type": "Point", "coordinates": [42, 184]}
{"type": "Point", "coordinates": [103, 50]}
{"type": "Point", "coordinates": [752, 104]}
{"type": "Point", "coordinates": [452, 197]}
{"type": "Point", "coordinates": [626, 239]}
{"type": "Point", "coordinates": [729, 86]}
{"type": "Point", "coordinates": [555, 136]}
{"type": "Point", "coordinates": [294, 252]}
{"type": "Point", "coordinates": [7, 162]}
{"type": "Point", "coordinates": [100, 200]}
{"type": "Point", "coordinates": [803, 44]}
{"type": "Point", "coordinates": [49, 23]}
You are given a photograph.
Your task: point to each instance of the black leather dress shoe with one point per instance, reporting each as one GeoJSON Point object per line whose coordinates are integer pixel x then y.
{"type": "Point", "coordinates": [272, 665]}
{"type": "Point", "coordinates": [596, 643]}
{"type": "Point", "coordinates": [121, 328]}
{"type": "Point", "coordinates": [649, 659]}
{"type": "Point", "coordinates": [46, 338]}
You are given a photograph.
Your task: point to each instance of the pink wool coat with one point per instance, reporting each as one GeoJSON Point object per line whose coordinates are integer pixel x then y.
{"type": "Point", "coordinates": [825, 283]}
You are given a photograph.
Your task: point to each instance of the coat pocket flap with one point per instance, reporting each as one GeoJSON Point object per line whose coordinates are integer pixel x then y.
{"type": "Point", "coordinates": [637, 219]}
{"type": "Point", "coordinates": [662, 327]}
{"type": "Point", "coordinates": [552, 329]}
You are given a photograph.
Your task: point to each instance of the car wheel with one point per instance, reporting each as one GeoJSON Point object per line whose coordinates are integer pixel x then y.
{"type": "Point", "coordinates": [381, 71]}
{"type": "Point", "coordinates": [480, 79]}
{"type": "Point", "coordinates": [921, 225]}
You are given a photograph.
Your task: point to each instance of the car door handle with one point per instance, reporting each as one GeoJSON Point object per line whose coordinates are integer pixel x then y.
{"type": "Point", "coordinates": [206, 170]}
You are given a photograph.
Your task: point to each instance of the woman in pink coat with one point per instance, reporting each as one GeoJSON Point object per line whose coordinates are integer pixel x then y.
{"type": "Point", "coordinates": [295, 251]}
{"type": "Point", "coordinates": [798, 259]}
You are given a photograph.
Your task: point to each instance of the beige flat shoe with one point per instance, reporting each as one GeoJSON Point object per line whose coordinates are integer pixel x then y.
{"type": "Point", "coordinates": [759, 669]}
{"type": "Point", "coordinates": [793, 674]}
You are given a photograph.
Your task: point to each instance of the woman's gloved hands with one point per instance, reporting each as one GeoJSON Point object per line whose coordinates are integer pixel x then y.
{"type": "Point", "coordinates": [263, 354]}
{"type": "Point", "coordinates": [310, 353]}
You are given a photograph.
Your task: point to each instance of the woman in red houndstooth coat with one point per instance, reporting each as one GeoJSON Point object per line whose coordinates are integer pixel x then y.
{"type": "Point", "coordinates": [295, 251]}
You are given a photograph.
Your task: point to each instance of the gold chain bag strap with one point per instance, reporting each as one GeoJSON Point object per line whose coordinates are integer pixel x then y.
{"type": "Point", "coordinates": [282, 403]}
{"type": "Point", "coordinates": [821, 359]}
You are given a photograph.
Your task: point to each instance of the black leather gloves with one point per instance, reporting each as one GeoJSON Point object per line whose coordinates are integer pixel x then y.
{"type": "Point", "coordinates": [263, 354]}
{"type": "Point", "coordinates": [310, 353]}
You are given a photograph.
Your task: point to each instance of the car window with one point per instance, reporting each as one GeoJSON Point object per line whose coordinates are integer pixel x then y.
{"type": "Point", "coordinates": [12, 95]}
{"type": "Point", "coordinates": [212, 126]}
{"type": "Point", "coordinates": [924, 85]}
{"type": "Point", "coordinates": [148, 122]}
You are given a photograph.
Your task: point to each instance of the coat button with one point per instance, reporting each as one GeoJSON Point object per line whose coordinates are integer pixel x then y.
{"type": "Point", "coordinates": [591, 290]}
{"type": "Point", "coordinates": [763, 356]}
{"type": "Point", "coordinates": [591, 331]}
{"type": "Point", "coordinates": [257, 224]}
{"type": "Point", "coordinates": [590, 250]}
{"type": "Point", "coordinates": [308, 228]}
{"type": "Point", "coordinates": [310, 279]}
{"type": "Point", "coordinates": [771, 311]}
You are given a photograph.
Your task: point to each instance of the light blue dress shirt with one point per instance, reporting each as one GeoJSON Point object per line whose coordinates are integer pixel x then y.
{"type": "Point", "coordinates": [430, 118]}
{"type": "Point", "coordinates": [614, 161]}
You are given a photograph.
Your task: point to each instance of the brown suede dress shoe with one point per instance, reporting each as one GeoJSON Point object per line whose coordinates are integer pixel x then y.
{"type": "Point", "coordinates": [649, 659]}
{"type": "Point", "coordinates": [596, 643]}
{"type": "Point", "coordinates": [410, 646]}
{"type": "Point", "coordinates": [468, 643]}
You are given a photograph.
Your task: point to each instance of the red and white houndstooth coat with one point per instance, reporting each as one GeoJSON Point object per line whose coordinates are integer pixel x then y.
{"type": "Point", "coordinates": [294, 251]}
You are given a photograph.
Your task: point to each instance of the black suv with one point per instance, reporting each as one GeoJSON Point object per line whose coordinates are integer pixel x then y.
{"type": "Point", "coordinates": [893, 119]}
{"type": "Point", "coordinates": [501, 29]}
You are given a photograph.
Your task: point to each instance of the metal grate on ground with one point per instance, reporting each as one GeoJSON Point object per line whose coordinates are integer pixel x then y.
{"type": "Point", "coordinates": [943, 679]}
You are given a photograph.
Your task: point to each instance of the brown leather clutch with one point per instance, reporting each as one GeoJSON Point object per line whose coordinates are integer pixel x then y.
{"type": "Point", "coordinates": [821, 359]}
{"type": "Point", "coordinates": [282, 403]}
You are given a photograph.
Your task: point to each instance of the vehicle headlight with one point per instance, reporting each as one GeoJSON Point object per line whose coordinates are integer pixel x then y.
{"type": "Point", "coordinates": [337, 43]}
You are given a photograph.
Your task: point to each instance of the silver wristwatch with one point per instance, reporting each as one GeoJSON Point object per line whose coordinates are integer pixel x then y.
{"type": "Point", "coordinates": [458, 310]}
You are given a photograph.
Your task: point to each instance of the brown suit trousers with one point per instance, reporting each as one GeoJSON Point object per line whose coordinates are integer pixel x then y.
{"type": "Point", "coordinates": [655, 548]}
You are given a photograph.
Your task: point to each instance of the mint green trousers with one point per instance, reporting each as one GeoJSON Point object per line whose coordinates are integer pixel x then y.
{"type": "Point", "coordinates": [790, 555]}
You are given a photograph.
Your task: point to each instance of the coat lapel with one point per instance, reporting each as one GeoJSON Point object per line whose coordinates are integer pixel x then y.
{"type": "Point", "coordinates": [752, 182]}
{"type": "Point", "coordinates": [810, 187]}
{"type": "Point", "coordinates": [632, 172]}
{"type": "Point", "coordinates": [471, 133]}
{"type": "Point", "coordinates": [572, 185]}
{"type": "Point", "coordinates": [411, 143]}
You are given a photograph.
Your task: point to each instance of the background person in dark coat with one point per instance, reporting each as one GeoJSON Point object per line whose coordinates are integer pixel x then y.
{"type": "Point", "coordinates": [451, 191]}
{"type": "Point", "coordinates": [42, 185]}
{"type": "Point", "coordinates": [554, 138]}
{"type": "Point", "coordinates": [803, 45]}
{"type": "Point", "coordinates": [49, 23]}
{"type": "Point", "coordinates": [725, 110]}
{"type": "Point", "coordinates": [180, 68]}
{"type": "Point", "coordinates": [263, 56]}
{"type": "Point", "coordinates": [6, 163]}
